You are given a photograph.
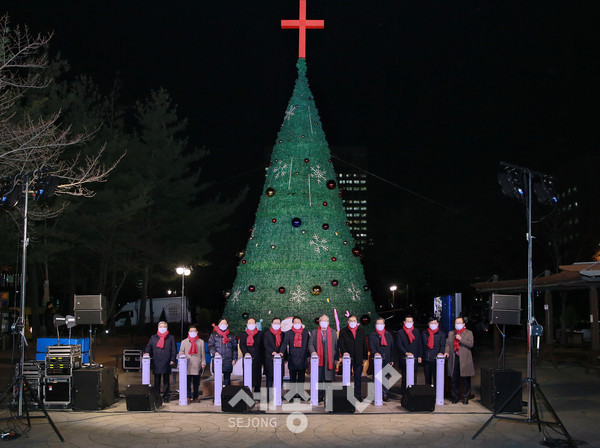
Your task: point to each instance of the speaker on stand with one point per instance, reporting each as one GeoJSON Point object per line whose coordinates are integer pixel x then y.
{"type": "Point", "coordinates": [90, 310]}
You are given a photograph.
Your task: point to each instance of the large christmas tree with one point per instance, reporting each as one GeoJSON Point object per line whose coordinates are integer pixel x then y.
{"type": "Point", "coordinates": [300, 258]}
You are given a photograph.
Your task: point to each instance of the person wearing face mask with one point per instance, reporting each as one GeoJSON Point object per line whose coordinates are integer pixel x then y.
{"type": "Point", "coordinates": [323, 342]}
{"type": "Point", "coordinates": [460, 360]}
{"type": "Point", "coordinates": [408, 341]}
{"type": "Point", "coordinates": [353, 342]}
{"type": "Point", "coordinates": [295, 344]}
{"type": "Point", "coordinates": [251, 342]}
{"type": "Point", "coordinates": [223, 342]}
{"type": "Point", "coordinates": [433, 343]}
{"type": "Point", "coordinates": [193, 349]}
{"type": "Point", "coordinates": [162, 349]}
{"type": "Point", "coordinates": [273, 345]}
{"type": "Point", "coordinates": [381, 342]}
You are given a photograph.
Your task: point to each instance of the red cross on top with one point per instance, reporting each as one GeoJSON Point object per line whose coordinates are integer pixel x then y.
{"type": "Point", "coordinates": [302, 24]}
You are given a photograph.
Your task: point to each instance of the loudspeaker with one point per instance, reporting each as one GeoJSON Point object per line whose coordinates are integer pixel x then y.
{"type": "Point", "coordinates": [132, 359]}
{"type": "Point", "coordinates": [228, 403]}
{"type": "Point", "coordinates": [339, 401]}
{"type": "Point", "coordinates": [93, 302]}
{"type": "Point", "coordinates": [496, 387]}
{"type": "Point", "coordinates": [419, 398]}
{"type": "Point", "coordinates": [93, 389]}
{"type": "Point", "coordinates": [142, 397]}
{"type": "Point", "coordinates": [506, 302]}
{"type": "Point", "coordinates": [91, 317]}
{"type": "Point", "coordinates": [506, 317]}
{"type": "Point", "coordinates": [57, 390]}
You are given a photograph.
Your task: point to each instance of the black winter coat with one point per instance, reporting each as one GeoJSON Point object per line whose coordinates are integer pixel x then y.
{"type": "Point", "coordinates": [386, 351]}
{"type": "Point", "coordinates": [255, 350]}
{"type": "Point", "coordinates": [270, 347]}
{"type": "Point", "coordinates": [297, 356]}
{"type": "Point", "coordinates": [162, 357]}
{"type": "Point", "coordinates": [404, 346]}
{"type": "Point", "coordinates": [357, 348]}
{"type": "Point", "coordinates": [439, 345]}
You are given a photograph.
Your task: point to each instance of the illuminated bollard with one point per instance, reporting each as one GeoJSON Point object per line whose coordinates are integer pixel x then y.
{"type": "Point", "coordinates": [410, 370]}
{"type": "Point", "coordinates": [277, 380]}
{"type": "Point", "coordinates": [146, 369]}
{"type": "Point", "coordinates": [439, 380]}
{"type": "Point", "coordinates": [248, 370]}
{"type": "Point", "coordinates": [182, 367]}
{"type": "Point", "coordinates": [378, 378]}
{"type": "Point", "coordinates": [346, 370]}
{"type": "Point", "coordinates": [314, 380]}
{"type": "Point", "coordinates": [218, 369]}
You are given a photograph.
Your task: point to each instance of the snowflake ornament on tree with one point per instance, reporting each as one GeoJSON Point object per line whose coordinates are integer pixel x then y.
{"type": "Point", "coordinates": [290, 113]}
{"type": "Point", "coordinates": [354, 293]}
{"type": "Point", "coordinates": [235, 296]}
{"type": "Point", "coordinates": [279, 169]}
{"type": "Point", "coordinates": [298, 296]}
{"type": "Point", "coordinates": [319, 243]}
{"type": "Point", "coordinates": [318, 174]}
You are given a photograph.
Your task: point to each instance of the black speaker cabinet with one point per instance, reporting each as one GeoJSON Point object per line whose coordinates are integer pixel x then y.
{"type": "Point", "coordinates": [339, 401]}
{"type": "Point", "coordinates": [89, 302]}
{"type": "Point", "coordinates": [57, 391]}
{"type": "Point", "coordinates": [419, 398]}
{"type": "Point", "coordinates": [94, 388]}
{"type": "Point", "coordinates": [142, 397]}
{"type": "Point", "coordinates": [506, 302]}
{"type": "Point", "coordinates": [90, 317]}
{"type": "Point", "coordinates": [506, 317]}
{"type": "Point", "coordinates": [496, 387]}
{"type": "Point", "coordinates": [242, 405]}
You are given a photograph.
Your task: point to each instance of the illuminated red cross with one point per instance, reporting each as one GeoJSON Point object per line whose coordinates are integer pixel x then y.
{"type": "Point", "coordinates": [302, 24]}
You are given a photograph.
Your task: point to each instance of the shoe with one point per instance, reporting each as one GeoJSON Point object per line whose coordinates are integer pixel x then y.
{"type": "Point", "coordinates": [465, 401]}
{"type": "Point", "coordinates": [454, 400]}
{"type": "Point", "coordinates": [190, 400]}
{"type": "Point", "coordinates": [196, 400]}
{"type": "Point", "coordinates": [386, 398]}
{"type": "Point", "coordinates": [166, 399]}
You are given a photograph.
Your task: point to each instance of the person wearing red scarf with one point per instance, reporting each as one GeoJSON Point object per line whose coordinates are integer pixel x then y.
{"type": "Point", "coordinates": [251, 343]}
{"type": "Point", "coordinates": [223, 342]}
{"type": "Point", "coordinates": [381, 342]}
{"type": "Point", "coordinates": [162, 349]}
{"type": "Point", "coordinates": [272, 343]}
{"type": "Point", "coordinates": [353, 342]}
{"type": "Point", "coordinates": [433, 343]}
{"type": "Point", "coordinates": [295, 345]}
{"type": "Point", "coordinates": [408, 341]}
{"type": "Point", "coordinates": [323, 343]}
{"type": "Point", "coordinates": [460, 360]}
{"type": "Point", "coordinates": [193, 349]}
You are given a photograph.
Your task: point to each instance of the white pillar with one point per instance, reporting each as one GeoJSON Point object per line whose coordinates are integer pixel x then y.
{"type": "Point", "coordinates": [439, 380]}
{"type": "Point", "coordinates": [410, 370]}
{"type": "Point", "coordinates": [346, 366]}
{"type": "Point", "coordinates": [218, 368]}
{"type": "Point", "coordinates": [314, 380]}
{"type": "Point", "coordinates": [277, 380]}
{"type": "Point", "coordinates": [182, 368]}
{"type": "Point", "coordinates": [378, 378]}
{"type": "Point", "coordinates": [146, 369]}
{"type": "Point", "coordinates": [248, 370]}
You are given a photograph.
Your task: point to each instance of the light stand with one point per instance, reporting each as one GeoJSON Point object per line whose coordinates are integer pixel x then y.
{"type": "Point", "coordinates": [524, 175]}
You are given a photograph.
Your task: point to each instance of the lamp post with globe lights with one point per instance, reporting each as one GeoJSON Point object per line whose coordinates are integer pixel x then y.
{"type": "Point", "coordinates": [184, 272]}
{"type": "Point", "coordinates": [393, 288]}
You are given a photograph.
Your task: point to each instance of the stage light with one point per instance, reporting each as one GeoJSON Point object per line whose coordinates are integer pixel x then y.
{"type": "Point", "coordinates": [45, 187]}
{"type": "Point", "coordinates": [10, 197]}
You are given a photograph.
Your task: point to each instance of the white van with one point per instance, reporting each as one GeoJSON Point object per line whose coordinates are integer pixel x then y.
{"type": "Point", "coordinates": [129, 313]}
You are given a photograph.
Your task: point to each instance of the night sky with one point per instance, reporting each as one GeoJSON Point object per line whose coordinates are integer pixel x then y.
{"type": "Point", "coordinates": [438, 91]}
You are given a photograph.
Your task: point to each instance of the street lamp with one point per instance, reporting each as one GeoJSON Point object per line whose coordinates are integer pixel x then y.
{"type": "Point", "coordinates": [393, 288]}
{"type": "Point", "coordinates": [183, 271]}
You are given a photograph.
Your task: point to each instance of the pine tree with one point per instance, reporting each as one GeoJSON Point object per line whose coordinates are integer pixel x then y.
{"type": "Point", "coordinates": [300, 258]}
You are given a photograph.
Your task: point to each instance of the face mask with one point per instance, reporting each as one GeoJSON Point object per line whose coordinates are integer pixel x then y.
{"type": "Point", "coordinates": [352, 324]}
{"type": "Point", "coordinates": [380, 327]}
{"type": "Point", "coordinates": [223, 327]}
{"type": "Point", "coordinates": [324, 324]}
{"type": "Point", "coordinates": [275, 327]}
{"type": "Point", "coordinates": [162, 330]}
{"type": "Point", "coordinates": [409, 324]}
{"type": "Point", "coordinates": [193, 334]}
{"type": "Point", "coordinates": [297, 326]}
{"type": "Point", "coordinates": [459, 326]}
{"type": "Point", "coordinates": [433, 327]}
{"type": "Point", "coordinates": [251, 327]}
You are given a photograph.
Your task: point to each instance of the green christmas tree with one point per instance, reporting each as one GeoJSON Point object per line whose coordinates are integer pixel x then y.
{"type": "Point", "coordinates": [300, 259]}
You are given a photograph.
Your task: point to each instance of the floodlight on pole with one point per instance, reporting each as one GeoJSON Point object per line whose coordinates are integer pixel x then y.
{"type": "Point", "coordinates": [184, 272]}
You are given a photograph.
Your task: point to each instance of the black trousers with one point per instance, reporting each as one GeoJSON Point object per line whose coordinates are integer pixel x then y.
{"type": "Point", "coordinates": [227, 378]}
{"type": "Point", "coordinates": [403, 369]}
{"type": "Point", "coordinates": [270, 376]}
{"type": "Point", "coordinates": [465, 381]}
{"type": "Point", "coordinates": [166, 378]}
{"type": "Point", "coordinates": [429, 368]}
{"type": "Point", "coordinates": [256, 374]}
{"type": "Point", "coordinates": [193, 380]}
{"type": "Point", "coordinates": [357, 380]}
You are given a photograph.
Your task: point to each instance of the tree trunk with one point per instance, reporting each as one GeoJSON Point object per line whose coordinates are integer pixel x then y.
{"type": "Point", "coordinates": [563, 325]}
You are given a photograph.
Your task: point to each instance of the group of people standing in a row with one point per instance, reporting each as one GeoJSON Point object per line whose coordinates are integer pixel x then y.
{"type": "Point", "coordinates": [298, 344]}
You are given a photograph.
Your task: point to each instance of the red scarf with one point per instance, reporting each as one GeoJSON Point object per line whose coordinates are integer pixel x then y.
{"type": "Point", "coordinates": [430, 338]}
{"type": "Point", "coordinates": [251, 334]}
{"type": "Point", "coordinates": [382, 336]}
{"type": "Point", "coordinates": [277, 334]}
{"type": "Point", "coordinates": [408, 331]}
{"type": "Point", "coordinates": [222, 333]}
{"type": "Point", "coordinates": [329, 349]}
{"type": "Point", "coordinates": [161, 338]}
{"type": "Point", "coordinates": [194, 347]}
{"type": "Point", "coordinates": [297, 337]}
{"type": "Point", "coordinates": [353, 330]}
{"type": "Point", "coordinates": [456, 341]}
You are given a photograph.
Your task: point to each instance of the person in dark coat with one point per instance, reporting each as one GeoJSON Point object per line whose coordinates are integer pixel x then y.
{"type": "Point", "coordinates": [295, 345]}
{"type": "Point", "coordinates": [323, 343]}
{"type": "Point", "coordinates": [353, 342]}
{"type": "Point", "coordinates": [49, 319]}
{"type": "Point", "coordinates": [273, 345]}
{"type": "Point", "coordinates": [163, 351]}
{"type": "Point", "coordinates": [408, 342]}
{"type": "Point", "coordinates": [433, 343]}
{"type": "Point", "coordinates": [459, 344]}
{"type": "Point", "coordinates": [223, 342]}
{"type": "Point", "coordinates": [381, 342]}
{"type": "Point", "coordinates": [251, 342]}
